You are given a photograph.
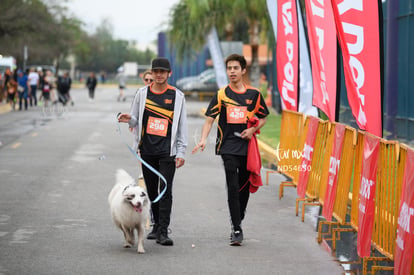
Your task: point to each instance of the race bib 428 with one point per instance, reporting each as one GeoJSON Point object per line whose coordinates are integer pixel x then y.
{"type": "Point", "coordinates": [236, 114]}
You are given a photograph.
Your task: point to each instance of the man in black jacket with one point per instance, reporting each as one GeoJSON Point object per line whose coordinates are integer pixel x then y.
{"type": "Point", "coordinates": [63, 86]}
{"type": "Point", "coordinates": [91, 84]}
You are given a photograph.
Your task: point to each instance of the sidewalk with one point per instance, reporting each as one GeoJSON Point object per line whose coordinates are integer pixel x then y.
{"type": "Point", "coordinates": [4, 108]}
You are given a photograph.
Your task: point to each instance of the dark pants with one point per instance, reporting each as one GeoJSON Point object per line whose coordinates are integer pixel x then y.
{"type": "Point", "coordinates": [237, 187]}
{"type": "Point", "coordinates": [161, 211]}
{"type": "Point", "coordinates": [23, 97]}
{"type": "Point", "coordinates": [63, 97]}
{"type": "Point", "coordinates": [91, 93]}
{"type": "Point", "coordinates": [33, 98]}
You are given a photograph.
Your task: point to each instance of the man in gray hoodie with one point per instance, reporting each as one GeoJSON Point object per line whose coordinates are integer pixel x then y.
{"type": "Point", "coordinates": [159, 114]}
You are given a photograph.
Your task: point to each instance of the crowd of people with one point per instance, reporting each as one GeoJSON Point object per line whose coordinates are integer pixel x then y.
{"type": "Point", "coordinates": [19, 88]}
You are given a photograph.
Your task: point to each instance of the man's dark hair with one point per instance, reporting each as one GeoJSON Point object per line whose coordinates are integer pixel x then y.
{"type": "Point", "coordinates": [239, 58]}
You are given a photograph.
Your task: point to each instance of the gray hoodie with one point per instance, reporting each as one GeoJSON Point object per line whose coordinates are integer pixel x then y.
{"type": "Point", "coordinates": [179, 132]}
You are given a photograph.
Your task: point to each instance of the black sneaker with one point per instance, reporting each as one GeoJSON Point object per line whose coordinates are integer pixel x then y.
{"type": "Point", "coordinates": [153, 234]}
{"type": "Point", "coordinates": [162, 237]}
{"type": "Point", "coordinates": [236, 238]}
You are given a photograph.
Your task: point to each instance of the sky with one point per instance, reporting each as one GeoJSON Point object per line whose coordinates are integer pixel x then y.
{"type": "Point", "coordinates": [137, 20]}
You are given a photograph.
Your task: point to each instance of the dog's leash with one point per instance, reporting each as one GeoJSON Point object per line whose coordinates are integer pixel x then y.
{"type": "Point", "coordinates": [152, 169]}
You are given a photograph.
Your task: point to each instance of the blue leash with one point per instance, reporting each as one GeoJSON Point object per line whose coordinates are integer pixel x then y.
{"type": "Point", "coordinates": [152, 169]}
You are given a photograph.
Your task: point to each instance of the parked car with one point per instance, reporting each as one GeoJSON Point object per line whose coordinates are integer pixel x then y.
{"type": "Point", "coordinates": [180, 82]}
{"type": "Point", "coordinates": [204, 82]}
{"type": "Point", "coordinates": [183, 81]}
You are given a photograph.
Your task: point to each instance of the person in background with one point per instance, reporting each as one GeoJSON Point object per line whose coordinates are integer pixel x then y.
{"type": "Point", "coordinates": [22, 88]}
{"type": "Point", "coordinates": [64, 84]}
{"type": "Point", "coordinates": [11, 89]}
{"type": "Point", "coordinates": [46, 85]}
{"type": "Point", "coordinates": [103, 77]}
{"type": "Point", "coordinates": [91, 82]}
{"type": "Point", "coordinates": [236, 105]}
{"type": "Point", "coordinates": [159, 113]}
{"type": "Point", "coordinates": [33, 84]}
{"type": "Point", "coordinates": [3, 92]}
{"type": "Point", "coordinates": [121, 77]}
{"type": "Point", "coordinates": [7, 76]}
{"type": "Point", "coordinates": [147, 77]}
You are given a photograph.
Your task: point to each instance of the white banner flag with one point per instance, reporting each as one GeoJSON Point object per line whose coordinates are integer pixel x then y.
{"type": "Point", "coordinates": [272, 9]}
{"type": "Point", "coordinates": [305, 72]}
{"type": "Point", "coordinates": [217, 57]}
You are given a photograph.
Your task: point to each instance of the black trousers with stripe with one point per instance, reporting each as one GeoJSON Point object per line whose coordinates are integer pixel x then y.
{"type": "Point", "coordinates": [237, 187]}
{"type": "Point", "coordinates": [161, 211]}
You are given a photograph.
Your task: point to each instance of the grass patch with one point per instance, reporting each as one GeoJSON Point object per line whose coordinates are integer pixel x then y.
{"type": "Point", "coordinates": [270, 132]}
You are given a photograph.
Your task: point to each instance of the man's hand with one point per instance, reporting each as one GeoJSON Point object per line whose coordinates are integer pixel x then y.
{"type": "Point", "coordinates": [201, 144]}
{"type": "Point", "coordinates": [179, 162]}
{"type": "Point", "coordinates": [124, 118]}
{"type": "Point", "coordinates": [248, 133]}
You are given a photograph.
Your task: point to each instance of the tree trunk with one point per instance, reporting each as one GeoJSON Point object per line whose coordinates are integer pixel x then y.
{"type": "Point", "coordinates": [254, 42]}
{"type": "Point", "coordinates": [254, 67]}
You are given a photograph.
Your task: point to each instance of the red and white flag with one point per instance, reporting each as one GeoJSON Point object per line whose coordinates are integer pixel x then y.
{"type": "Point", "coordinates": [358, 31]}
{"type": "Point", "coordinates": [323, 45]}
{"type": "Point", "coordinates": [308, 149]}
{"type": "Point", "coordinates": [404, 249]}
{"type": "Point", "coordinates": [334, 164]}
{"type": "Point", "coordinates": [287, 54]}
{"type": "Point", "coordinates": [367, 195]}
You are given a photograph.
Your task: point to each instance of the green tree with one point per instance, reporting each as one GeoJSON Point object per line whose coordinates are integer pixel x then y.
{"type": "Point", "coordinates": [191, 20]}
{"type": "Point", "coordinates": [45, 29]}
{"type": "Point", "coordinates": [51, 34]}
{"type": "Point", "coordinates": [101, 52]}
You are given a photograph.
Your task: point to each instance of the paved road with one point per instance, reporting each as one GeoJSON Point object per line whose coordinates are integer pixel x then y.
{"type": "Point", "coordinates": [57, 168]}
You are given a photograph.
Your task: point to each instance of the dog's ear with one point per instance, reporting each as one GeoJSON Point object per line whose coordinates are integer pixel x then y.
{"type": "Point", "coordinates": [126, 194]}
{"type": "Point", "coordinates": [126, 187]}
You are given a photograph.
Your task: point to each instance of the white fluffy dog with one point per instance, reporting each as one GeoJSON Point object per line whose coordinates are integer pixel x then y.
{"type": "Point", "coordinates": [130, 208]}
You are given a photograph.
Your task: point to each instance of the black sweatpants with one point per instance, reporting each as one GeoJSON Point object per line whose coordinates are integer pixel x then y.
{"type": "Point", "coordinates": [91, 93]}
{"type": "Point", "coordinates": [237, 187]}
{"type": "Point", "coordinates": [161, 210]}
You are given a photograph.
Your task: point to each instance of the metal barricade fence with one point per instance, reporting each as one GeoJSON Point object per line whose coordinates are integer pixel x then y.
{"type": "Point", "coordinates": [389, 179]}
{"type": "Point", "coordinates": [319, 166]}
{"type": "Point", "coordinates": [387, 200]}
{"type": "Point", "coordinates": [359, 156]}
{"type": "Point", "coordinates": [291, 140]}
{"type": "Point", "coordinates": [345, 174]}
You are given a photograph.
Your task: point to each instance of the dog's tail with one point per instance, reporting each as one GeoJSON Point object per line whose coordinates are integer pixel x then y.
{"type": "Point", "coordinates": [123, 178]}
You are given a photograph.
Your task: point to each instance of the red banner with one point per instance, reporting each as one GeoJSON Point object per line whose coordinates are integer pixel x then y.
{"type": "Point", "coordinates": [404, 250]}
{"type": "Point", "coordinates": [358, 31]}
{"type": "Point", "coordinates": [334, 164]}
{"type": "Point", "coordinates": [367, 195]}
{"type": "Point", "coordinates": [287, 54]}
{"type": "Point", "coordinates": [322, 42]}
{"type": "Point", "coordinates": [307, 156]}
